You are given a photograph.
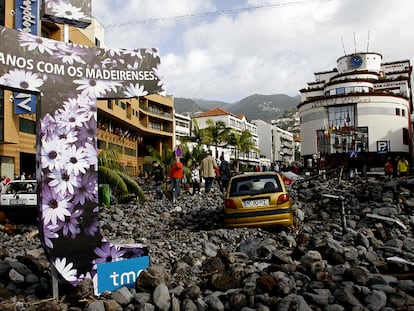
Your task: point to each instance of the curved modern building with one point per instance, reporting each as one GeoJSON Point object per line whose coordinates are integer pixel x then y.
{"type": "Point", "coordinates": [363, 105]}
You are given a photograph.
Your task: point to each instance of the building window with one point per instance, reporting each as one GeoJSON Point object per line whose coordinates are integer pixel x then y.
{"type": "Point", "coordinates": [45, 34]}
{"type": "Point", "coordinates": [341, 116]}
{"type": "Point", "coordinates": [27, 126]}
{"type": "Point", "coordinates": [123, 105]}
{"type": "Point", "coordinates": [97, 42]}
{"type": "Point", "coordinates": [101, 144]}
{"type": "Point", "coordinates": [156, 126]}
{"type": "Point", "coordinates": [2, 5]}
{"type": "Point", "coordinates": [406, 138]}
{"type": "Point", "coordinates": [397, 111]}
{"type": "Point", "coordinates": [340, 90]}
{"type": "Point", "coordinates": [115, 147]}
{"type": "Point", "coordinates": [403, 112]}
{"type": "Point", "coordinates": [130, 152]}
{"type": "Point", "coordinates": [109, 104]}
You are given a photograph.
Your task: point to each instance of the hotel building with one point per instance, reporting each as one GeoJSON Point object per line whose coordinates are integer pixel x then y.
{"type": "Point", "coordinates": [363, 105]}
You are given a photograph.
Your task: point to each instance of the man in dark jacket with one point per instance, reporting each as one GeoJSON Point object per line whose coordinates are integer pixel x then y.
{"type": "Point", "coordinates": [224, 173]}
{"type": "Point", "coordinates": [157, 175]}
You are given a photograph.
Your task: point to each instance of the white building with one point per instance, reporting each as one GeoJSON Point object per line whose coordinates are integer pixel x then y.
{"type": "Point", "coordinates": [275, 143]}
{"type": "Point", "coordinates": [363, 105]}
{"type": "Point", "coordinates": [238, 123]}
{"type": "Point", "coordinates": [182, 128]}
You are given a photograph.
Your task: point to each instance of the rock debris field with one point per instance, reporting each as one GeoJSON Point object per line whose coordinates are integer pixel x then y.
{"type": "Point", "coordinates": [352, 248]}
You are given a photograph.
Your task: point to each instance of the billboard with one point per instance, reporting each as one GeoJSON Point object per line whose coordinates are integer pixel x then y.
{"type": "Point", "coordinates": [68, 79]}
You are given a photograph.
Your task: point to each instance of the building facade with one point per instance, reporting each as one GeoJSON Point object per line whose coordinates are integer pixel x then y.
{"type": "Point", "coordinates": [129, 125]}
{"type": "Point", "coordinates": [182, 127]}
{"type": "Point", "coordinates": [363, 105]}
{"type": "Point", "coordinates": [275, 143]}
{"type": "Point", "coordinates": [236, 123]}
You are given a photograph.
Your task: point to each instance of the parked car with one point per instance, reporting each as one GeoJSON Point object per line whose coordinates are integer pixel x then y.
{"type": "Point", "coordinates": [257, 199]}
{"type": "Point", "coordinates": [18, 201]}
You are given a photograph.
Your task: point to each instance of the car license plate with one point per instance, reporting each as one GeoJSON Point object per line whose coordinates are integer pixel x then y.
{"type": "Point", "coordinates": [17, 202]}
{"type": "Point", "coordinates": [254, 203]}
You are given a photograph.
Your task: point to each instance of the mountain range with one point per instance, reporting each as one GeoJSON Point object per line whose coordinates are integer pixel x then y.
{"type": "Point", "coordinates": [264, 107]}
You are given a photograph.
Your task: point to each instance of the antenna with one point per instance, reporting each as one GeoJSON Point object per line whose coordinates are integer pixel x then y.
{"type": "Point", "coordinates": [368, 41]}
{"type": "Point", "coordinates": [354, 43]}
{"type": "Point", "coordinates": [343, 45]}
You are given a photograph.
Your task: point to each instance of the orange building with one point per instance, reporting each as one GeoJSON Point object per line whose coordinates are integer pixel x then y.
{"type": "Point", "coordinates": [128, 125]}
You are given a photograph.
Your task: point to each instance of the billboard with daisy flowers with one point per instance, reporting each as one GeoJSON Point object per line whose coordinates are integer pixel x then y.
{"type": "Point", "coordinates": [73, 12]}
{"type": "Point", "coordinates": [69, 79]}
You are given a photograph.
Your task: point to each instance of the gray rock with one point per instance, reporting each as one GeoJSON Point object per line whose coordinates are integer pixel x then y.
{"type": "Point", "coordinates": [122, 296]}
{"type": "Point", "coordinates": [161, 297]}
{"type": "Point", "coordinates": [376, 300]}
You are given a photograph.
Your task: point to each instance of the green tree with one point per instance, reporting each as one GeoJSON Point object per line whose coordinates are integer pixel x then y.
{"type": "Point", "coordinates": [243, 143]}
{"type": "Point", "coordinates": [217, 134]}
{"type": "Point", "coordinates": [167, 158]}
{"type": "Point", "coordinates": [112, 173]}
{"type": "Point", "coordinates": [197, 139]}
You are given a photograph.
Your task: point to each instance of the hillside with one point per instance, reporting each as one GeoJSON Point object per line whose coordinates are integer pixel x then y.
{"type": "Point", "coordinates": [264, 107]}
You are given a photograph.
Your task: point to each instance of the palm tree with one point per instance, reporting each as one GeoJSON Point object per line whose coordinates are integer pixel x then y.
{"type": "Point", "coordinates": [243, 143]}
{"type": "Point", "coordinates": [167, 158]}
{"type": "Point", "coordinates": [197, 139]}
{"type": "Point", "coordinates": [217, 134]}
{"type": "Point", "coordinates": [112, 173]}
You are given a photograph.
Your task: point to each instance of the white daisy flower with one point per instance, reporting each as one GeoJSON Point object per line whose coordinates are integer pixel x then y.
{"type": "Point", "coordinates": [51, 154]}
{"type": "Point", "coordinates": [67, 10]}
{"type": "Point", "coordinates": [66, 270]}
{"type": "Point", "coordinates": [68, 55]}
{"type": "Point", "coordinates": [133, 53]}
{"type": "Point", "coordinates": [112, 51]}
{"type": "Point", "coordinates": [153, 51]}
{"type": "Point", "coordinates": [135, 90]}
{"type": "Point", "coordinates": [70, 117]}
{"type": "Point", "coordinates": [52, 3]}
{"type": "Point", "coordinates": [39, 43]}
{"type": "Point", "coordinates": [95, 88]}
{"type": "Point", "coordinates": [54, 207]}
{"type": "Point", "coordinates": [25, 80]}
{"type": "Point", "coordinates": [63, 182]}
{"type": "Point", "coordinates": [76, 160]}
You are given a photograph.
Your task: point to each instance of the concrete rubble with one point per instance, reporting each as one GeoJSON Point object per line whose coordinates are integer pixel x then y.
{"type": "Point", "coordinates": [352, 248]}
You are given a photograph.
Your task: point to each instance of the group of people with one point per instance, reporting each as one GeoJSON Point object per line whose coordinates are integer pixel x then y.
{"type": "Point", "coordinates": [398, 167]}
{"type": "Point", "coordinates": [207, 170]}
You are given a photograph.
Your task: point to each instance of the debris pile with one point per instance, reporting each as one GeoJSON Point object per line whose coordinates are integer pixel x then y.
{"type": "Point", "coordinates": [352, 248]}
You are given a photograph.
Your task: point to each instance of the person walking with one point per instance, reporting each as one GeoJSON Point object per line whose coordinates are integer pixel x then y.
{"type": "Point", "coordinates": [224, 173]}
{"type": "Point", "coordinates": [176, 177]}
{"type": "Point", "coordinates": [157, 175]}
{"type": "Point", "coordinates": [388, 169]}
{"type": "Point", "coordinates": [195, 178]}
{"type": "Point", "coordinates": [208, 170]}
{"type": "Point", "coordinates": [403, 167]}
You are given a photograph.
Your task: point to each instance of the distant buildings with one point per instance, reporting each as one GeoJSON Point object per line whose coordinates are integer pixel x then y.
{"type": "Point", "coordinates": [275, 143]}
{"type": "Point", "coordinates": [238, 123]}
{"type": "Point", "coordinates": [363, 105]}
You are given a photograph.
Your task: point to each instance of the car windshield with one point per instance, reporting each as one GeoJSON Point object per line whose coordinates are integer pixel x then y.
{"type": "Point", "coordinates": [20, 187]}
{"type": "Point", "coordinates": [251, 185]}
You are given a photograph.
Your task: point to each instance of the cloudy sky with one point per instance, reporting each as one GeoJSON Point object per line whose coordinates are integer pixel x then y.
{"type": "Point", "coordinates": [228, 49]}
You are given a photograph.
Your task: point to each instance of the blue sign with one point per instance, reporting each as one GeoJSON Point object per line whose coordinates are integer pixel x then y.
{"type": "Point", "coordinates": [114, 275]}
{"type": "Point", "coordinates": [27, 16]}
{"type": "Point", "coordinates": [24, 103]}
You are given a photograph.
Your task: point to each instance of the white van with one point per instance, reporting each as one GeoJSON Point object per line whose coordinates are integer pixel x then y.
{"type": "Point", "coordinates": [18, 201]}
